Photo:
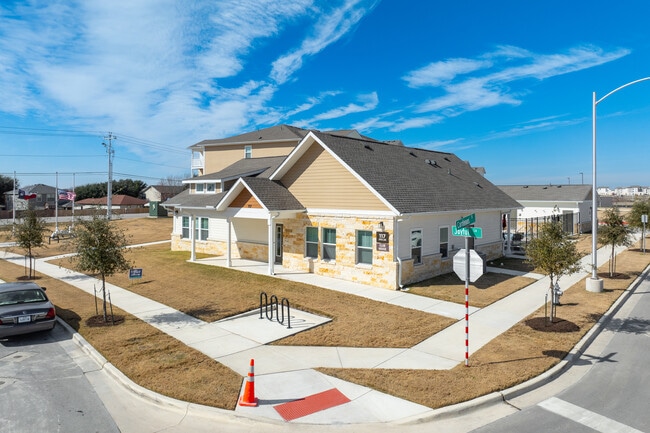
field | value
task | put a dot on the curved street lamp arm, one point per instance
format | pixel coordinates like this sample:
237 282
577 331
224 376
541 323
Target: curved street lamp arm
622 87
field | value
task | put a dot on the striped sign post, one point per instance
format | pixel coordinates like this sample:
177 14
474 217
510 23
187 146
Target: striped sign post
467 302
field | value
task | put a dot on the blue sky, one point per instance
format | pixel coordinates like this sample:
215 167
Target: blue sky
505 85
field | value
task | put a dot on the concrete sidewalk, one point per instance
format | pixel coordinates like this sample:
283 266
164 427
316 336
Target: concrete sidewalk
285 373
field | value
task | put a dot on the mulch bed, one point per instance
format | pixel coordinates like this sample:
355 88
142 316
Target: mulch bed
98 321
544 324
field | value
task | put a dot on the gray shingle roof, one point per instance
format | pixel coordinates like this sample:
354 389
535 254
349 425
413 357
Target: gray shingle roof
196 201
418 180
272 194
274 133
261 167
548 192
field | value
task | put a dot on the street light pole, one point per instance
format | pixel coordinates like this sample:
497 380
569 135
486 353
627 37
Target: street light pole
595 284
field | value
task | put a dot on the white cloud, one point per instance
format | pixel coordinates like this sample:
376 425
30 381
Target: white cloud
439 73
474 84
367 102
330 27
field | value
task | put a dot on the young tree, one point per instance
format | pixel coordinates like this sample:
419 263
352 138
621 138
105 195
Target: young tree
100 248
29 235
640 207
554 253
6 184
614 232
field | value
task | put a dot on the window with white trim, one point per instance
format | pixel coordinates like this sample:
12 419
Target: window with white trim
364 247
200 187
201 228
444 241
329 244
185 232
416 246
248 152
311 242
210 187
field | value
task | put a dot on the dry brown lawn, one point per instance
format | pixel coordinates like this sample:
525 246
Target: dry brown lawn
158 362
521 353
211 293
488 289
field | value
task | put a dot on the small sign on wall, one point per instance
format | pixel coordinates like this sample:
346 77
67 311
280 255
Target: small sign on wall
382 241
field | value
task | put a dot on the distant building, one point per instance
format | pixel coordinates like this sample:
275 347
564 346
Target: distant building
572 204
33 197
161 193
118 201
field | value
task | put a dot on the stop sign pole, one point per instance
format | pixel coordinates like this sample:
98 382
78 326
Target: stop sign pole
466 221
466 301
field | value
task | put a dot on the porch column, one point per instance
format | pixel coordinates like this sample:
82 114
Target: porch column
193 239
228 248
271 257
508 236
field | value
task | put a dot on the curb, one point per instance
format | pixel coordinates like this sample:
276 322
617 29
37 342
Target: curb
536 382
152 397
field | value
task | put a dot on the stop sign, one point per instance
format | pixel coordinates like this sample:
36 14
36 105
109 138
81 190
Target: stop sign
476 265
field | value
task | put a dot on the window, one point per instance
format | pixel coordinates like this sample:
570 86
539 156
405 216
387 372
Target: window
210 187
444 241
311 242
186 228
200 228
329 244
364 247
200 187
248 152
416 246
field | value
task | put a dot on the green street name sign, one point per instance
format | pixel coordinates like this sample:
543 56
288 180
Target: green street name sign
468 232
466 221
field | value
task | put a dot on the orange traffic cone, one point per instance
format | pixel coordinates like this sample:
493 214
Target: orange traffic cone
248 398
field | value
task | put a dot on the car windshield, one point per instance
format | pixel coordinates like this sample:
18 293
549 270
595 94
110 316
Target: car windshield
22 297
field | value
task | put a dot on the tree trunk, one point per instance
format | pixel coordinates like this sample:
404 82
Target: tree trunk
104 298
551 289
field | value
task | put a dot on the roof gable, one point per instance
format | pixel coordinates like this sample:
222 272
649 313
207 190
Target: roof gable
270 195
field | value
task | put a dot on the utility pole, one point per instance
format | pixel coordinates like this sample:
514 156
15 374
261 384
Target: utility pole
109 187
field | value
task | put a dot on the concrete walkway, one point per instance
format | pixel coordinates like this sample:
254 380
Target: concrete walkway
285 373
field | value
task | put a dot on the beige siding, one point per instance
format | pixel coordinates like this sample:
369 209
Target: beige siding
318 180
245 200
219 157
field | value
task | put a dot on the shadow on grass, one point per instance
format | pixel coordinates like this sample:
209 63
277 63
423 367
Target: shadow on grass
559 354
69 316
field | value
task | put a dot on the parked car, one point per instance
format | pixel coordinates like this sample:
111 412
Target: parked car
24 308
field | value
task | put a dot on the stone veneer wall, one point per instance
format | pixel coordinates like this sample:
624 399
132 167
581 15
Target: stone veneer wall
381 273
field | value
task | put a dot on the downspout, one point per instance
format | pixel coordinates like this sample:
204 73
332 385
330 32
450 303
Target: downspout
272 243
228 247
400 286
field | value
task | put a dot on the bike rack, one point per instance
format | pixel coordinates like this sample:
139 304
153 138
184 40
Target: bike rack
267 306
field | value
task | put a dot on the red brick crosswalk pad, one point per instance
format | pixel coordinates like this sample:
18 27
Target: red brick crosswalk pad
311 404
